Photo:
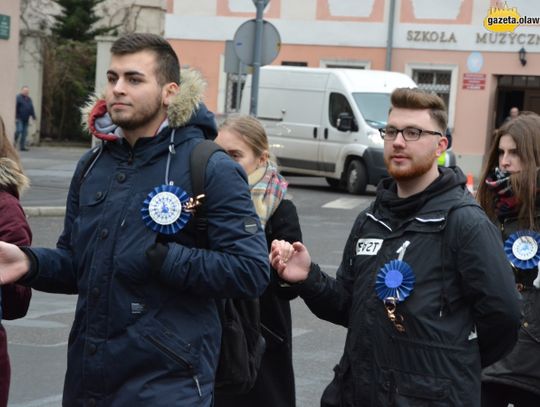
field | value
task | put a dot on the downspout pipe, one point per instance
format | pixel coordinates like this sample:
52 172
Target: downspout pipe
390 35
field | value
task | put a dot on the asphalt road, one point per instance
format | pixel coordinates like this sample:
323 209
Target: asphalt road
38 342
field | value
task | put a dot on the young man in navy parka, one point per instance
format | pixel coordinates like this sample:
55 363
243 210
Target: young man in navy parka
146 329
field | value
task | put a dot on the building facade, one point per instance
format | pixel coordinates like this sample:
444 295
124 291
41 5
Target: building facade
9 52
443 45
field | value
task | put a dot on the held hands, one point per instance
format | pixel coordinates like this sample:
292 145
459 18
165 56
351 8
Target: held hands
13 263
291 261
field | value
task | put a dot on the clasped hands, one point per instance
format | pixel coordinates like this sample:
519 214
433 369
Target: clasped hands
291 261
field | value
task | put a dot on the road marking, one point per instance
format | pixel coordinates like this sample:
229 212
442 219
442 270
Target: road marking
345 203
33 345
35 323
299 331
51 401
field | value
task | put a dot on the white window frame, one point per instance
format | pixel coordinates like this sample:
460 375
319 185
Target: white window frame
454 79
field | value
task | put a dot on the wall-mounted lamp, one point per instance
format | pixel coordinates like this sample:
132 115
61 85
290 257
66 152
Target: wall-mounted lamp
522 56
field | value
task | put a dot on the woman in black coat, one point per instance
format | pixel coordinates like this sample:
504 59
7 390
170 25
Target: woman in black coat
508 191
244 139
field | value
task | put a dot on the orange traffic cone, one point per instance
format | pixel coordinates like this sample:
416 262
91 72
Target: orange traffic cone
470 183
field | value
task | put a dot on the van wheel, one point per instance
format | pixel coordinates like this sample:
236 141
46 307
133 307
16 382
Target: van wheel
334 183
356 177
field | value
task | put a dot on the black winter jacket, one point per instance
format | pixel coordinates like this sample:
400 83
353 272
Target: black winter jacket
521 368
463 312
275 380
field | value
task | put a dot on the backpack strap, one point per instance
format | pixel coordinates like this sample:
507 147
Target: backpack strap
198 161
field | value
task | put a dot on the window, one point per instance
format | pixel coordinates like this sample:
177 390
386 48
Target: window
233 94
434 81
338 104
293 63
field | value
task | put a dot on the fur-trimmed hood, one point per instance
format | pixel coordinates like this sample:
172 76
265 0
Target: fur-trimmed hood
12 178
185 108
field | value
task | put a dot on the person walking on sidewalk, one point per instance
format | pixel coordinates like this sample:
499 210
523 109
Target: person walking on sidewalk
24 110
147 330
14 298
423 287
508 191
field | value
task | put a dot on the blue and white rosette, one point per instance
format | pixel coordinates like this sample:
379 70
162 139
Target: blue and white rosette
163 209
394 280
522 249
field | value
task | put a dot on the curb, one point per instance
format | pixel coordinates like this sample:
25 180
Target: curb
45 210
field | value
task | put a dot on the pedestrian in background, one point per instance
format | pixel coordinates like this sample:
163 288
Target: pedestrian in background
424 287
508 191
147 329
512 114
14 298
245 140
24 110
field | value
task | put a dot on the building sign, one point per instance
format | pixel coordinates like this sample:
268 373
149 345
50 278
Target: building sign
474 81
5 24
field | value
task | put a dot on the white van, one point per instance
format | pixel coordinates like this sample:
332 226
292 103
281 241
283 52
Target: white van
325 121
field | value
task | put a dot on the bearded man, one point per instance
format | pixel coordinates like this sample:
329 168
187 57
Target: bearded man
424 286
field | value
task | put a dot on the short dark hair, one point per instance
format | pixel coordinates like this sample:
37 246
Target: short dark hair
167 64
414 98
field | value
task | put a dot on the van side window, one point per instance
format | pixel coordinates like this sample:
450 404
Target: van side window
338 104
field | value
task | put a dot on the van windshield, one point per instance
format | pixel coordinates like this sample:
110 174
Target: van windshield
374 107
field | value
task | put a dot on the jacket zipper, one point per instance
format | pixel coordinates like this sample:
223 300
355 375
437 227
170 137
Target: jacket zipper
179 359
272 334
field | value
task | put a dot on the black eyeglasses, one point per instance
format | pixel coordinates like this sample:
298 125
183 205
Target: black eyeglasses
409 133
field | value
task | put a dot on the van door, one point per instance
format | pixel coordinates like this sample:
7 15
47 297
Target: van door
295 139
334 140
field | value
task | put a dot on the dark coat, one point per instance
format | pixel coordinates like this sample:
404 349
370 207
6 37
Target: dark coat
521 368
275 380
462 313
146 335
15 299
24 108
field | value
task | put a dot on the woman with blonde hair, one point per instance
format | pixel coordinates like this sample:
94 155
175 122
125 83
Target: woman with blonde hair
508 192
14 299
245 140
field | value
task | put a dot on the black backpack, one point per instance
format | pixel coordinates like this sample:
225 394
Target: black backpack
242 343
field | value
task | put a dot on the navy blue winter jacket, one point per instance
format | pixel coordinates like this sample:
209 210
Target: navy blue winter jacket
144 338
24 109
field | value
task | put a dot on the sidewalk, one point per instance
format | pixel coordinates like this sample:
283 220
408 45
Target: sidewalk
50 170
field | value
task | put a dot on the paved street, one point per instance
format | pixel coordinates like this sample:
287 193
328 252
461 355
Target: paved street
38 342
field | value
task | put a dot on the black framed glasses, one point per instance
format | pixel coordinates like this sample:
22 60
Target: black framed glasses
409 133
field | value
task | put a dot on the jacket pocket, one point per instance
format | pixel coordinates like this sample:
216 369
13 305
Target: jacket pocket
179 357
172 347
531 311
418 390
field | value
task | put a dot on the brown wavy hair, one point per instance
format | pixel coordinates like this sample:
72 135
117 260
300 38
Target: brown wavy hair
525 131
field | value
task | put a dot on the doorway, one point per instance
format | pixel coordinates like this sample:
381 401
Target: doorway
518 91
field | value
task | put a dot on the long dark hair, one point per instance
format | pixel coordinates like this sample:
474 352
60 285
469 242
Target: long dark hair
525 131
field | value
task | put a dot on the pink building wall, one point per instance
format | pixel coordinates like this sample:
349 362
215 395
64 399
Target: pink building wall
427 35
9 55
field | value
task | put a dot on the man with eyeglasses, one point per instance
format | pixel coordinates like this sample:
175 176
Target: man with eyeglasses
424 286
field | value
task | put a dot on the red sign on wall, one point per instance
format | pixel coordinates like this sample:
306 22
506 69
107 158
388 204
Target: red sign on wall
474 81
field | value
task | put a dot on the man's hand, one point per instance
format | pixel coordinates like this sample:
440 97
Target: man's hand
291 261
14 264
